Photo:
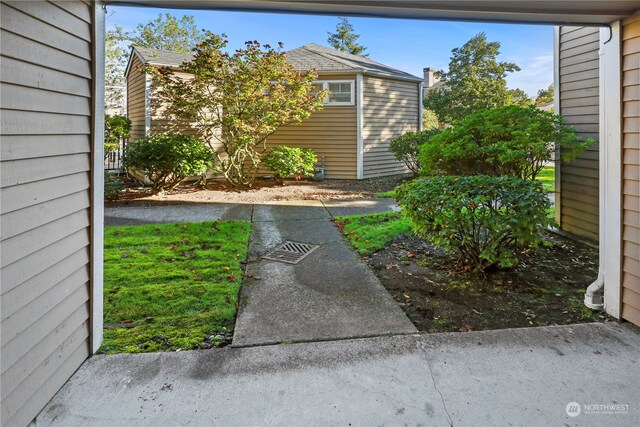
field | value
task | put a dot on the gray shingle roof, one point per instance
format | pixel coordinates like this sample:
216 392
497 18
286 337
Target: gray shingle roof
325 59
306 57
161 57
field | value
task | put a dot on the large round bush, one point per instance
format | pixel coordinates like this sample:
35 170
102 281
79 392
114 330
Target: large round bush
512 140
168 158
484 221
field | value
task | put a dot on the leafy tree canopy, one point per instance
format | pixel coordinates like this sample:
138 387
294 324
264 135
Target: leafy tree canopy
519 97
237 100
545 95
166 32
476 80
115 62
345 40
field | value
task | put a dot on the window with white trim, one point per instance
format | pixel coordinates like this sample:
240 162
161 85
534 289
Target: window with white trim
341 92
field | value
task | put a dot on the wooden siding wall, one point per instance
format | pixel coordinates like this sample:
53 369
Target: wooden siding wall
136 100
331 132
391 108
631 170
579 105
46 90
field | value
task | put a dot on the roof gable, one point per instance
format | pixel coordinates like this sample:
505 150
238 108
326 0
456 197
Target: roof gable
307 57
325 59
161 58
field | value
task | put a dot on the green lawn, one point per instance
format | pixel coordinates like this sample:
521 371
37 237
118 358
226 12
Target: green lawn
369 233
548 178
391 194
168 287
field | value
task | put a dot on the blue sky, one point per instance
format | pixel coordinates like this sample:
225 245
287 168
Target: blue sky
409 45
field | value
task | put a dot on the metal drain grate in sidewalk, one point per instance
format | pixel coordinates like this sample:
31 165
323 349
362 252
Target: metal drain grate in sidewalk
290 252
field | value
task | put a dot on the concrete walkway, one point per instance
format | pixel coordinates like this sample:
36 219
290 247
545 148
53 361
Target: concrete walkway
494 378
329 295
198 212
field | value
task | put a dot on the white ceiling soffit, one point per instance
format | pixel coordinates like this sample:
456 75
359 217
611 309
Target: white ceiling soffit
565 12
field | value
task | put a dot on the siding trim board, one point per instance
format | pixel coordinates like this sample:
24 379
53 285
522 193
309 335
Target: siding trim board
97 180
147 104
359 119
610 171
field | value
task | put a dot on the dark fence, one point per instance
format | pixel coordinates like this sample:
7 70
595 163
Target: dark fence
113 160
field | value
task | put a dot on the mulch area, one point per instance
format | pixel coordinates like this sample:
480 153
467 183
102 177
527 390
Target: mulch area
546 288
263 190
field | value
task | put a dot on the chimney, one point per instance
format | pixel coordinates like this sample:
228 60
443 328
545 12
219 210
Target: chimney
429 77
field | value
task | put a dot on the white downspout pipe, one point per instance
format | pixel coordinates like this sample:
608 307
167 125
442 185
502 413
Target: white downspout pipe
604 293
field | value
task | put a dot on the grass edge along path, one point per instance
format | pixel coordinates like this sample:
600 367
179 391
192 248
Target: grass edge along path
371 232
172 287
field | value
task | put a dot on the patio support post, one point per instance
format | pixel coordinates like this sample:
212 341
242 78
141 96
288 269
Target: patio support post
97 178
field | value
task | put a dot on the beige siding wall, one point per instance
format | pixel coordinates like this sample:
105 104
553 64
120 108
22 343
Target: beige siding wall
46 89
631 170
390 108
331 132
579 100
161 122
136 99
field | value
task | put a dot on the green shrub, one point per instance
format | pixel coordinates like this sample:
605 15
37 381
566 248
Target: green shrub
167 159
286 162
406 147
485 221
112 186
512 140
115 129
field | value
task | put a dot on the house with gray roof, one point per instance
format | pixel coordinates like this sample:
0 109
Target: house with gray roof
369 104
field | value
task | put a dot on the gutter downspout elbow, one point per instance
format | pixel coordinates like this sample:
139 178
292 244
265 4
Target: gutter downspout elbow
594 295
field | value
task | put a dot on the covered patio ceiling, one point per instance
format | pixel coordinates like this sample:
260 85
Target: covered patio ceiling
561 12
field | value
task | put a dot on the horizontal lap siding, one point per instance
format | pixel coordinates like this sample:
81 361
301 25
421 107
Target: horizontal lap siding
579 105
136 101
161 122
331 132
46 88
631 170
391 108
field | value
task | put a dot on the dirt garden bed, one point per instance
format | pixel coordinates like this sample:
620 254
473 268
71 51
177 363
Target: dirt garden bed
263 190
547 288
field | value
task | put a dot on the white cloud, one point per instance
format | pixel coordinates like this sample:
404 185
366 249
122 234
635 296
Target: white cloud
536 73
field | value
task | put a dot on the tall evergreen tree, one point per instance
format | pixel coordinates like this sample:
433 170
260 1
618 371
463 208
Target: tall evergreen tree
345 40
475 80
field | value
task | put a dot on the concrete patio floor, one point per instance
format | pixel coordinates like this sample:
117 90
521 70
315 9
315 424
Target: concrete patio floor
493 378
